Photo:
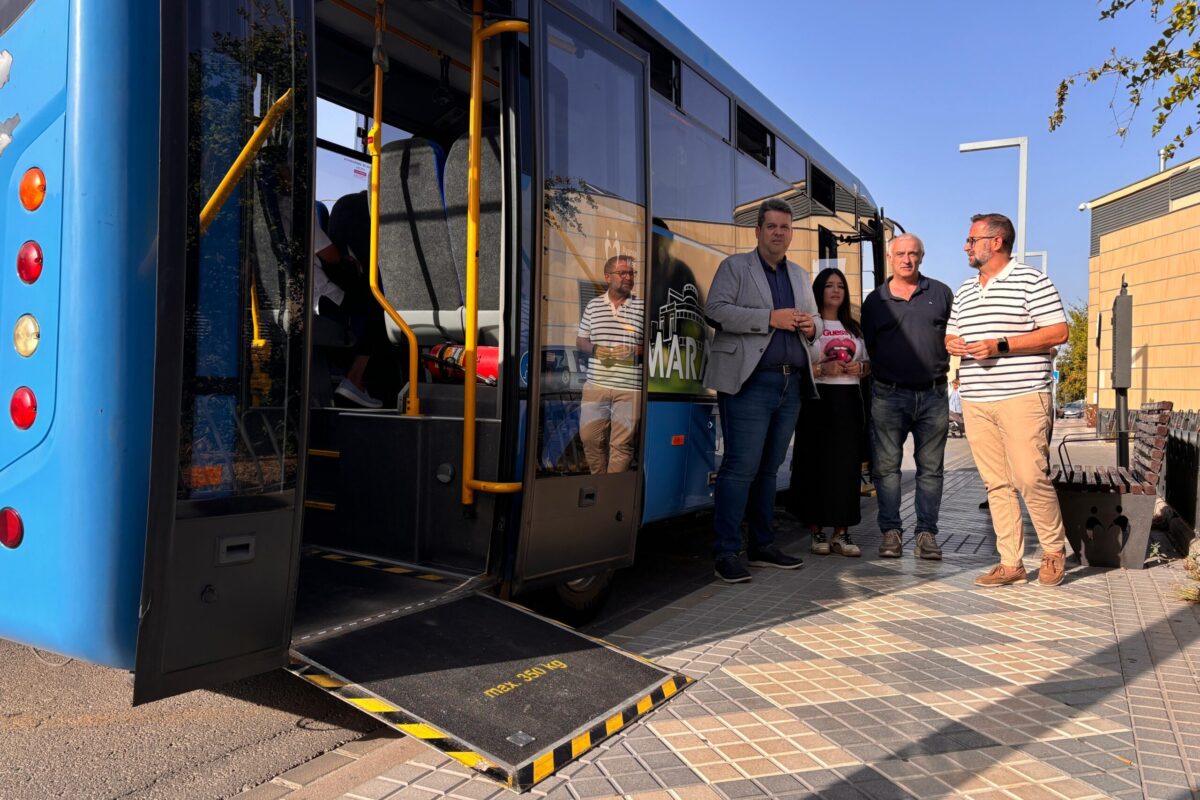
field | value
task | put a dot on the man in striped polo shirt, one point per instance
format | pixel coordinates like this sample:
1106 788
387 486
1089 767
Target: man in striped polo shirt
611 334
1003 325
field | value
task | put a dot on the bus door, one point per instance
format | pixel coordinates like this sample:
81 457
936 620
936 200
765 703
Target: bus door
229 414
587 369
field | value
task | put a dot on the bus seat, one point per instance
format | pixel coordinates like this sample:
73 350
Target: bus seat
491 221
350 226
416 264
322 213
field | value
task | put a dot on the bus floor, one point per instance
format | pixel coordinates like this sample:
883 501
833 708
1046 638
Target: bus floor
340 590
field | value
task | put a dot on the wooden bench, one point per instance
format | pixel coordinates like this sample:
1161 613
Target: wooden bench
1107 510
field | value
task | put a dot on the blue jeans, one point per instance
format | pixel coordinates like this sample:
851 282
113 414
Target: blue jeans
895 413
757 423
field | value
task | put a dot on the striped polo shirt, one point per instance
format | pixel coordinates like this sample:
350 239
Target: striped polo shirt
606 325
1018 300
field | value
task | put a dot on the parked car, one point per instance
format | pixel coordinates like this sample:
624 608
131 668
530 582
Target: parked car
1072 410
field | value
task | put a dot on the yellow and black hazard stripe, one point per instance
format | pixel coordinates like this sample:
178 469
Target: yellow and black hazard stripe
543 766
392 715
382 566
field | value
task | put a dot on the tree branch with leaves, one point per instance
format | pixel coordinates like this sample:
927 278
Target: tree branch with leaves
1175 57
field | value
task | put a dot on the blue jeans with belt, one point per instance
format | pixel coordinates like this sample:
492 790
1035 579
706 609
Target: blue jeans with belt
757 424
895 413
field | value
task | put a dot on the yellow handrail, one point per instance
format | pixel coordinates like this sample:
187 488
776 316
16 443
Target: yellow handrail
233 177
478 35
404 37
412 405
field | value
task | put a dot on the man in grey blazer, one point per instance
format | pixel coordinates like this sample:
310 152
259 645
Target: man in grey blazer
765 314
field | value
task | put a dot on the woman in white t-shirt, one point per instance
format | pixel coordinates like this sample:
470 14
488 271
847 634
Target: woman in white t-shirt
831 430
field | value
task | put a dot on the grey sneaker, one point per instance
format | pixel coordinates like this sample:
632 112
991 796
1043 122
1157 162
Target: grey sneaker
820 544
890 546
843 546
927 547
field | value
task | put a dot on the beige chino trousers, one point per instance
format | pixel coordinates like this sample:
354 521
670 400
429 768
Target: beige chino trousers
1010 442
608 420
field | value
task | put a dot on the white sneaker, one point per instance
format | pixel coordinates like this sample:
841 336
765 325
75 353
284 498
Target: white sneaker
348 391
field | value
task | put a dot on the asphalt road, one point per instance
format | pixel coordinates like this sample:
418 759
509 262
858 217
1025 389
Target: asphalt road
69 731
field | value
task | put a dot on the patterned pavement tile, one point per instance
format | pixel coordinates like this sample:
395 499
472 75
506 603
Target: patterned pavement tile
997 772
843 641
1036 598
942 632
1011 715
1026 664
750 745
891 727
880 609
958 604
899 584
923 671
818 680
1036 626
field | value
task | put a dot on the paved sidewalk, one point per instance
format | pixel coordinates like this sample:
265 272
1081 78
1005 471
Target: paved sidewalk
873 678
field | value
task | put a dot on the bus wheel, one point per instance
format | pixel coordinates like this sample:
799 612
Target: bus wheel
580 600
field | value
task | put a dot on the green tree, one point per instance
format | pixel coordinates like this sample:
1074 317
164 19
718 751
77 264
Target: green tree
1072 358
1174 59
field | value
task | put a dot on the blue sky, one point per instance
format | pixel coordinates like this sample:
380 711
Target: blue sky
891 89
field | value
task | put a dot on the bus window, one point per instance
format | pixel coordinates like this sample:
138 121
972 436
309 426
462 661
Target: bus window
704 102
245 301
594 249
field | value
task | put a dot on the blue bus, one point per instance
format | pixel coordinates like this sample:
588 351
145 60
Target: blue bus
183 493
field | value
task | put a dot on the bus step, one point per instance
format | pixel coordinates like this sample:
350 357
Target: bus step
320 505
501 690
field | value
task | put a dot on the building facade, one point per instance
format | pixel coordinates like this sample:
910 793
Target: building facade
1148 233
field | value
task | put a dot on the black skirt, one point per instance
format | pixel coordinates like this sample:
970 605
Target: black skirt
826 458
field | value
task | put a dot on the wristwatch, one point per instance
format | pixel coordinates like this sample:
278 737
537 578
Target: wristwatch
1002 346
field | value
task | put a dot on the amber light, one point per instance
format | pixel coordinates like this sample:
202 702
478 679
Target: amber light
29 262
23 408
12 530
33 189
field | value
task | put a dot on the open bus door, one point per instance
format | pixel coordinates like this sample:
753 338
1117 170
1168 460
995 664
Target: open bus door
586 374
229 413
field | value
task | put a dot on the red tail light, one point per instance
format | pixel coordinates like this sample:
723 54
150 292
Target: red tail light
12 530
29 262
23 408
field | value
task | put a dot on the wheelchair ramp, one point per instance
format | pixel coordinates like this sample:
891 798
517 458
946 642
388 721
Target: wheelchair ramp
500 689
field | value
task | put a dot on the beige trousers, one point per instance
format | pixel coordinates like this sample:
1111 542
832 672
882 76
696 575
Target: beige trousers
608 420
1010 442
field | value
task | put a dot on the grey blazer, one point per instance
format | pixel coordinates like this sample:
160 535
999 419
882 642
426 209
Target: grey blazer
740 302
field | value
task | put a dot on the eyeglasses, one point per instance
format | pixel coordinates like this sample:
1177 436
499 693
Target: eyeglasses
971 240
624 273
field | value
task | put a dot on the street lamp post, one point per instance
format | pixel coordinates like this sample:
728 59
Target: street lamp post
1022 144
1044 256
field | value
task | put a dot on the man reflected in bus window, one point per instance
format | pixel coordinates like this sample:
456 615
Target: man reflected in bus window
764 309
610 333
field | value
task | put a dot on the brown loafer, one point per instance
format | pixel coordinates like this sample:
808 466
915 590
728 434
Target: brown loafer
1001 575
1054 567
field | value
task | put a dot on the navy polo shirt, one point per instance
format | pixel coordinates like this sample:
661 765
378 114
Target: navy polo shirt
907 339
785 348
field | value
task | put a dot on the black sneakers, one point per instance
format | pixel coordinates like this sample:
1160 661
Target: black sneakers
729 569
772 556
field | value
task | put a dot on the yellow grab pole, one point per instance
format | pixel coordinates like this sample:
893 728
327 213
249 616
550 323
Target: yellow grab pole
412 406
231 179
475 132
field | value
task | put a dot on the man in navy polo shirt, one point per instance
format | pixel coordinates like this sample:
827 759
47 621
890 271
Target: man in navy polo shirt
904 324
